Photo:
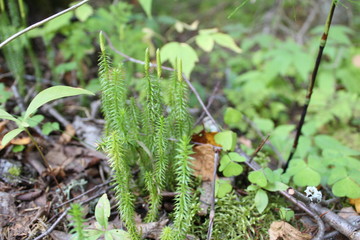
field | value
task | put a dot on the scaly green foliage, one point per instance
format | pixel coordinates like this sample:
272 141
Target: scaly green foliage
137 133
77 221
183 199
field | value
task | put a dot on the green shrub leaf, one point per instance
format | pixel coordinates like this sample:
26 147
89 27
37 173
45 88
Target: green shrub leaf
222 187
226 41
226 139
146 5
51 94
261 200
258 177
102 211
173 50
205 41
232 117
229 168
11 135
346 187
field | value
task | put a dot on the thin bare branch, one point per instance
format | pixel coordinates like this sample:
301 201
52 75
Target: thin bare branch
212 208
35 25
312 81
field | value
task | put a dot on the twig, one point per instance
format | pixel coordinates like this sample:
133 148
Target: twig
51 228
192 88
312 81
210 101
259 148
337 222
35 25
84 193
258 132
212 208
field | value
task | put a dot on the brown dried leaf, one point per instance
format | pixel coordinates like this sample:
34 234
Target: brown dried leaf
356 203
205 137
283 230
21 141
68 134
203 163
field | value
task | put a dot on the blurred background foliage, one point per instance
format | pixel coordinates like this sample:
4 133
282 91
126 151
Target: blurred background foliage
265 81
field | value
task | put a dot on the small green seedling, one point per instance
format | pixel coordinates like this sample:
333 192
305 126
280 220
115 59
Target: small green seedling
42 98
265 179
286 214
101 229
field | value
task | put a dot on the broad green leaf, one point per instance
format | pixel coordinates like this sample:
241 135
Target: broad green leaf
205 41
5 115
252 187
270 176
277 186
258 177
261 200
173 50
326 142
102 211
229 168
119 234
222 187
108 236
337 174
93 234
307 177
234 156
304 147
286 214
346 187
84 12
35 120
4 95
18 148
48 127
226 41
146 5
11 135
232 117
226 139
51 94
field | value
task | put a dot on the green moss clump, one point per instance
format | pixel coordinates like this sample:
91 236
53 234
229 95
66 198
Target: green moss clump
14 171
237 218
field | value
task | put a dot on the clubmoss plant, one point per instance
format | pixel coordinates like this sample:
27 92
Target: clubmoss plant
77 221
137 134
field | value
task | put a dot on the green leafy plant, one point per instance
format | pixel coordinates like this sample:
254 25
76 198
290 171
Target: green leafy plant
101 229
42 98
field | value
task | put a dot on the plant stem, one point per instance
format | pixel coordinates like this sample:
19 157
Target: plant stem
44 159
312 81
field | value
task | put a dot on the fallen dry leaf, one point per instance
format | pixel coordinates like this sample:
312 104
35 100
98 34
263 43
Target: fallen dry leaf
356 203
68 134
284 231
21 141
203 163
205 137
347 212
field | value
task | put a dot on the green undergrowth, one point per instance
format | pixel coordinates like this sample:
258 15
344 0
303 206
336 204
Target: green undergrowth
236 218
